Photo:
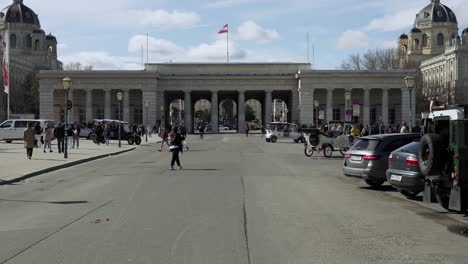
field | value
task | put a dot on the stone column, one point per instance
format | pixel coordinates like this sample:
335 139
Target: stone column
89 105
107 104
188 112
214 112
46 103
366 114
149 114
126 106
329 116
307 107
348 106
71 112
405 106
385 106
268 107
241 112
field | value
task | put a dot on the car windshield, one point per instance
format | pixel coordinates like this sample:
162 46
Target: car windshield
410 148
366 144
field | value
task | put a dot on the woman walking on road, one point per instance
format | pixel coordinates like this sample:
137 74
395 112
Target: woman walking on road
47 138
176 147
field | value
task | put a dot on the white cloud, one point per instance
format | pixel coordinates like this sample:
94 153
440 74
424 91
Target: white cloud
62 46
250 30
393 22
155 45
103 61
352 39
216 51
229 3
386 44
163 18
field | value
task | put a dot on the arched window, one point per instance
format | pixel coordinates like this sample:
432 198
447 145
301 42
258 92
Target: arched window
13 41
416 44
440 39
28 41
36 44
424 40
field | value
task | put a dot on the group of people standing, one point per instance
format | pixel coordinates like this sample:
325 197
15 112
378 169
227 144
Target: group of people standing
35 135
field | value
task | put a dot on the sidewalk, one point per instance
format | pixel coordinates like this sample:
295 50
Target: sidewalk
15 166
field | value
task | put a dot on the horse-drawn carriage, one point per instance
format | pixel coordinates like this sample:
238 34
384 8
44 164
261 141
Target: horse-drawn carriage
336 138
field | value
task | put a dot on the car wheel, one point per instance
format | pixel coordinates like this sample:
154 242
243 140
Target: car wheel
131 140
309 151
274 139
268 140
303 140
138 140
443 197
408 194
8 141
328 151
92 136
430 154
296 141
374 183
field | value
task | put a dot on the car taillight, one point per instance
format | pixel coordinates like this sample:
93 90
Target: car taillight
412 161
390 158
371 157
347 155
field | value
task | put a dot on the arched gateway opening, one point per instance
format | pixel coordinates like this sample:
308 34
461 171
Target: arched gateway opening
177 113
253 114
280 111
202 115
227 116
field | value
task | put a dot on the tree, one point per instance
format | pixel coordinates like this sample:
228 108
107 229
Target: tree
77 66
249 113
377 59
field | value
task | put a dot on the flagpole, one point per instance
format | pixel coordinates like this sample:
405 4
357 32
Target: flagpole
227 43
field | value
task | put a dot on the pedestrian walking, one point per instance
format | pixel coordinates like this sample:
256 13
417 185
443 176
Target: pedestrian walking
30 141
183 132
107 133
165 137
404 128
99 130
59 134
76 136
37 133
47 135
263 131
201 130
70 135
176 147
247 130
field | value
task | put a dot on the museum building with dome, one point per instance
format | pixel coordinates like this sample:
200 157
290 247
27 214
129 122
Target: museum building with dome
30 50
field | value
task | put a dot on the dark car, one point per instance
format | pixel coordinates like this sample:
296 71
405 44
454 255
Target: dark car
403 170
368 158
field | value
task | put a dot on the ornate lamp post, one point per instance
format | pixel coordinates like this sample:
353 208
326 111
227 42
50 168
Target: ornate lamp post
316 105
409 82
348 99
146 129
162 117
67 84
119 98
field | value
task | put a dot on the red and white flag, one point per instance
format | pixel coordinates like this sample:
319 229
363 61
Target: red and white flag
6 61
225 29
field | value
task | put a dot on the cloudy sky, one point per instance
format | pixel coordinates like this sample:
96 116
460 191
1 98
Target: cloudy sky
109 34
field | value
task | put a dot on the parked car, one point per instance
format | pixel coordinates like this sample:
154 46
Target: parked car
368 158
85 132
403 170
13 129
282 131
222 127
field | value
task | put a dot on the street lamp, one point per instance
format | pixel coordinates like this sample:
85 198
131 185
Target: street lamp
316 104
146 129
348 99
119 98
409 82
66 83
162 117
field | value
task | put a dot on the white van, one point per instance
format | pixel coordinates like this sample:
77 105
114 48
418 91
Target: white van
13 129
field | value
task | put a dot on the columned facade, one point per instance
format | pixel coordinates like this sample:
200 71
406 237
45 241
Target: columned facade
259 93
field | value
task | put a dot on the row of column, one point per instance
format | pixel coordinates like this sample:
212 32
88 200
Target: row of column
407 104
149 114
241 125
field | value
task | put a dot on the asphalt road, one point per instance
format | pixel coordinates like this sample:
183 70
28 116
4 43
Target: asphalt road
237 201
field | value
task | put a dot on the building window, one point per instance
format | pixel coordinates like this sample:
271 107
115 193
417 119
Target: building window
424 40
336 114
416 44
392 116
13 41
28 41
36 44
440 39
373 115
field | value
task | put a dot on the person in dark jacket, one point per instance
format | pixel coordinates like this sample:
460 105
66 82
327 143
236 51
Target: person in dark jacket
59 134
176 147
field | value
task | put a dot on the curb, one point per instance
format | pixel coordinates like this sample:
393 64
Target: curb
64 166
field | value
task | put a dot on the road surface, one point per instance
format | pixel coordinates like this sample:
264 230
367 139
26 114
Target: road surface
238 200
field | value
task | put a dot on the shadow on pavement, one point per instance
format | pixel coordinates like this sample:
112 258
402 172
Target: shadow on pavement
383 188
46 202
184 169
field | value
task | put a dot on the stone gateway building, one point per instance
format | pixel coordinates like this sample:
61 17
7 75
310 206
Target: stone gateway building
379 96
30 49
